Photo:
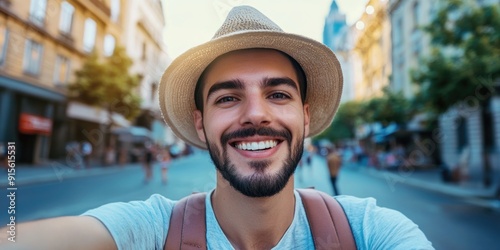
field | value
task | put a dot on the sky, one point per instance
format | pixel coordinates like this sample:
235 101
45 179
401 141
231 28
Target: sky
192 22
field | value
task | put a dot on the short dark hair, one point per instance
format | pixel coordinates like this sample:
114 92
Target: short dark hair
301 77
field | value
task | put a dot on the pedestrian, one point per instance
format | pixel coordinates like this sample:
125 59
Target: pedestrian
148 162
73 155
250 96
334 162
165 159
86 153
110 155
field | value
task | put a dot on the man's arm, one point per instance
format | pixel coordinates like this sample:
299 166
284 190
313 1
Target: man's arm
72 232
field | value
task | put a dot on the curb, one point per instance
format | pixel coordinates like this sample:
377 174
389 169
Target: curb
482 198
60 173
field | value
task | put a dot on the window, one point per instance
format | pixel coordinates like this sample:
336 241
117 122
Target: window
488 132
115 10
61 73
89 35
462 138
32 57
37 11
67 11
398 32
154 90
109 45
416 43
4 38
144 51
416 15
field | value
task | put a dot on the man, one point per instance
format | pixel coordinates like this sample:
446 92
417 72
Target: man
250 96
334 162
147 159
86 151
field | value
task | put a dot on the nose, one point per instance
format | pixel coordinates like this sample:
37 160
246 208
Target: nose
255 112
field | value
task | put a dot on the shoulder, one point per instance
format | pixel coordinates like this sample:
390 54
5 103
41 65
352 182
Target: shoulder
153 203
144 223
376 227
358 209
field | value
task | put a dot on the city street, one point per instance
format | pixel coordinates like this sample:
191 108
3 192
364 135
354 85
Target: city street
407 91
450 223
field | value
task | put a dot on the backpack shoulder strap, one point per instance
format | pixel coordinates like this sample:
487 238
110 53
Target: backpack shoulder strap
329 225
187 228
327 220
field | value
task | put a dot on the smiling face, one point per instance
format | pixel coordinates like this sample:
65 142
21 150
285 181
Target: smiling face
253 121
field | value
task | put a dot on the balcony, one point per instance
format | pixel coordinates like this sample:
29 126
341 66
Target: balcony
98 7
101 6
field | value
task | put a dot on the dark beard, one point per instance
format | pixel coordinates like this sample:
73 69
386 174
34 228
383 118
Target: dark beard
258 184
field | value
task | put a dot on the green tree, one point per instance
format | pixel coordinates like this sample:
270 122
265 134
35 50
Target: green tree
464 64
465 56
390 107
344 123
107 84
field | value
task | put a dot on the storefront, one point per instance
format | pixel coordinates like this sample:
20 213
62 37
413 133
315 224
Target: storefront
27 118
94 125
34 134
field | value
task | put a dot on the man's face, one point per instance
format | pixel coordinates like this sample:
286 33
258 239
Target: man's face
253 120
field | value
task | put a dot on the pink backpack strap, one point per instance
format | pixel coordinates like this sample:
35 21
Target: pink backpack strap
327 220
187 228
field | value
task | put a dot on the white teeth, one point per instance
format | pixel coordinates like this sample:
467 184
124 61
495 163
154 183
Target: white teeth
252 146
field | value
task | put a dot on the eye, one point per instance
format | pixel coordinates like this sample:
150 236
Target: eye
226 99
279 95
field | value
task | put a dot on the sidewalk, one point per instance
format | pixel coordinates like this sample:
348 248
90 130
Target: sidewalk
55 171
430 179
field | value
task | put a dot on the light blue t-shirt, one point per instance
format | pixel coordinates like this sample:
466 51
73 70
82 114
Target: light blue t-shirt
144 225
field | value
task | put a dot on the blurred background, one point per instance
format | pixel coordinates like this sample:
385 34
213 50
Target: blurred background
418 127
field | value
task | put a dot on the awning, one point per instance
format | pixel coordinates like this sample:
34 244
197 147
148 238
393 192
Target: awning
132 134
94 114
30 89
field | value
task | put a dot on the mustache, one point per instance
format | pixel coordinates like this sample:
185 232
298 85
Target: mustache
262 131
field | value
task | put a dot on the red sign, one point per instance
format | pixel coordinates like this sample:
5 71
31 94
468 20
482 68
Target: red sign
32 124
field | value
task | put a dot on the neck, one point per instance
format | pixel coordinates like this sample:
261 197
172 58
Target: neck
253 223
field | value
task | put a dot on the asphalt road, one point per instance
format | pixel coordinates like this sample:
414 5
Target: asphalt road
448 222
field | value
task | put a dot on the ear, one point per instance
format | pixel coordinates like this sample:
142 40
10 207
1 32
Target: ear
306 120
198 124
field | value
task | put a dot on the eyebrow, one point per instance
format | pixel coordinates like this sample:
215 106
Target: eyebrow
238 84
276 81
231 84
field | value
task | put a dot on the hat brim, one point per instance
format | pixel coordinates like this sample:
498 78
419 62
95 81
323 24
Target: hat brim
322 69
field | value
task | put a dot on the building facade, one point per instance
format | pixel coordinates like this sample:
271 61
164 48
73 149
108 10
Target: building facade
409 41
466 138
337 36
372 45
42 46
44 42
142 37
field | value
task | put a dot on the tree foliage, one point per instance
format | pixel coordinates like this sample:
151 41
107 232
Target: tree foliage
108 84
344 123
390 107
465 56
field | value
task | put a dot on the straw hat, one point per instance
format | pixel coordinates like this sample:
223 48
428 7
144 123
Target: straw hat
244 28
